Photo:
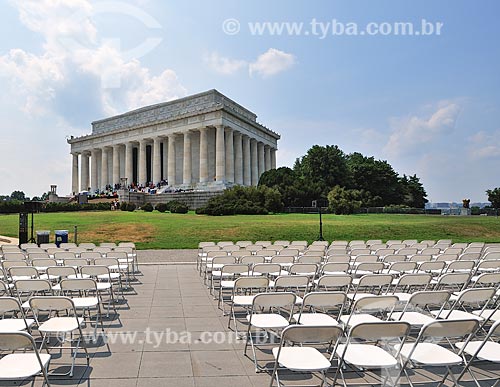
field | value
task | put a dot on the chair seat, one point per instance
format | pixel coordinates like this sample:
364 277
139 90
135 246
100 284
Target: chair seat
103 285
85 302
490 350
491 314
227 284
14 324
268 320
60 324
366 356
415 319
358 319
321 319
358 296
302 359
21 365
78 276
112 276
430 354
456 315
243 300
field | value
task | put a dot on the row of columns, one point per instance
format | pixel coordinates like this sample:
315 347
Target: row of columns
239 159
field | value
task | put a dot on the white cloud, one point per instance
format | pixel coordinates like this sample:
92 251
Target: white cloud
271 62
72 45
411 133
224 65
483 145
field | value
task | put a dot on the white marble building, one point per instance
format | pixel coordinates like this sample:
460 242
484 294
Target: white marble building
205 141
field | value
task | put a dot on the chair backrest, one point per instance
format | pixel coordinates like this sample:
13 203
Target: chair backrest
339 243
87 245
365 258
384 252
32 256
13 341
230 248
403 267
117 254
61 271
431 251
361 251
14 256
303 334
453 250
429 297
106 262
304 268
131 244
110 245
453 280
235 268
380 330
316 259
243 244
335 267
435 266
461 266
283 259
23 271
94 270
469 256
67 245
475 296
373 267
75 262
335 282
263 243
245 283
341 258
78 284
273 300
90 255
492 255
8 264
52 304
488 279
252 259
421 258
266 268
224 260
289 252
414 279
407 251
375 280
287 282
448 328
65 255
9 304
375 304
102 250
324 300
33 286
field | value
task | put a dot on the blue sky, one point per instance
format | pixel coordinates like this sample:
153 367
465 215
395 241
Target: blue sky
427 104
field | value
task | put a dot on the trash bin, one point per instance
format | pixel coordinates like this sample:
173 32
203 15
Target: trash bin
42 236
61 237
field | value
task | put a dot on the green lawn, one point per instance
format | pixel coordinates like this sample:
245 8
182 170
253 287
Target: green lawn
178 231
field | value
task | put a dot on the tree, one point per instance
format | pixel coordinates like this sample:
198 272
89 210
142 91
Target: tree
18 195
494 197
323 167
375 176
414 192
344 201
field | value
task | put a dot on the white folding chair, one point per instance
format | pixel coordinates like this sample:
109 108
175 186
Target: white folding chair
20 366
297 353
317 308
13 318
266 315
56 317
370 309
366 348
426 351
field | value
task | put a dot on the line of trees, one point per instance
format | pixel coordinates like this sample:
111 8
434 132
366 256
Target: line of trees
347 181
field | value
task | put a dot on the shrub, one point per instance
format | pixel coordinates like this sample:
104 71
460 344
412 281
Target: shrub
148 207
123 206
161 207
131 207
177 207
245 201
344 201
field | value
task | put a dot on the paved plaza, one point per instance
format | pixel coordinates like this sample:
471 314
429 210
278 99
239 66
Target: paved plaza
169 332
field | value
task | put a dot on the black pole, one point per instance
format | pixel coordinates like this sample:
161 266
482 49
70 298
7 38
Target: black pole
76 235
32 239
320 237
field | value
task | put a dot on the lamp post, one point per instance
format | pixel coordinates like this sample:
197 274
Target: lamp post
318 204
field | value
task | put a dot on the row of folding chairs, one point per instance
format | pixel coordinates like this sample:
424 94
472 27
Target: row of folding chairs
264 311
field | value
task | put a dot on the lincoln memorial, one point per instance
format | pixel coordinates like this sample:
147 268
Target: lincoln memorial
203 142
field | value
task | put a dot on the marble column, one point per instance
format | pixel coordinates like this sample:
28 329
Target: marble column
165 160
267 157
156 160
247 162
143 173
255 163
273 158
238 158
74 174
104 168
116 165
129 163
229 155
220 157
260 149
203 155
93 177
85 183
186 167
171 160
